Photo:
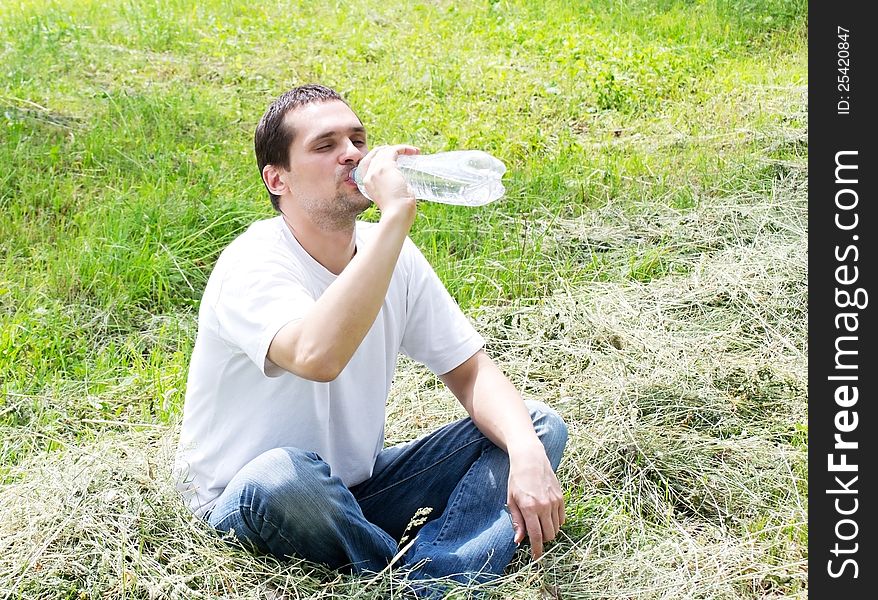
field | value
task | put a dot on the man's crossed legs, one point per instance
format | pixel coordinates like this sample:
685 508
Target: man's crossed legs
286 502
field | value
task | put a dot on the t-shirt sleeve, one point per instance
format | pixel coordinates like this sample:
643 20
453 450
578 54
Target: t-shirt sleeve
437 333
255 300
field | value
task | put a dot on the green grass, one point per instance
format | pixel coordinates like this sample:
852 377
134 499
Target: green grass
656 154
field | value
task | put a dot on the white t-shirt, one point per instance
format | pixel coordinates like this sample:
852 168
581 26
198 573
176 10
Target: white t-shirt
239 404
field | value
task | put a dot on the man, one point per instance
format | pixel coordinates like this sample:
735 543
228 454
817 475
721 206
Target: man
299 331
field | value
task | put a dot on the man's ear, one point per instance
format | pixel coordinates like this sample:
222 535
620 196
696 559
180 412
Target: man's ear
271 175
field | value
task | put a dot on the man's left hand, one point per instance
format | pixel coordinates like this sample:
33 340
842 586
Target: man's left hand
534 497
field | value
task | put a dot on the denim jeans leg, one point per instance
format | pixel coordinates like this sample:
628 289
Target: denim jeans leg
285 502
461 475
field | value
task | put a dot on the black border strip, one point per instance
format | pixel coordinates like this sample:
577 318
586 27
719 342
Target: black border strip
843 301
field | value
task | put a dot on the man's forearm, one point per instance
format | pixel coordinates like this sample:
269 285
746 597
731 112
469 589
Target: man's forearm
321 344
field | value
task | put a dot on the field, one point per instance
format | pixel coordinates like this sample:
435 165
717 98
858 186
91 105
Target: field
646 273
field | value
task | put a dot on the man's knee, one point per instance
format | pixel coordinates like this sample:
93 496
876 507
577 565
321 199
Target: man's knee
291 466
287 502
284 480
550 428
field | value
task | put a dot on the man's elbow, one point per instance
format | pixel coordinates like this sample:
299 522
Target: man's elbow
320 365
321 372
314 361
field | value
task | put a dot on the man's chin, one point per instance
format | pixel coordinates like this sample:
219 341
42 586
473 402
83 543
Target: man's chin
358 201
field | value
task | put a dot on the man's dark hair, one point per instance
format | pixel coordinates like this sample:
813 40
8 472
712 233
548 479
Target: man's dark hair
273 137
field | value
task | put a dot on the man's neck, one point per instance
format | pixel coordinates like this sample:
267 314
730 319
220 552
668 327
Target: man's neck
333 247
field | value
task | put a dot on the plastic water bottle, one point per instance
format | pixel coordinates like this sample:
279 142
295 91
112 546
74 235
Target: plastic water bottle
461 177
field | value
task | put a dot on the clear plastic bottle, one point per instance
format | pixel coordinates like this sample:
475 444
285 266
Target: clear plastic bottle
461 177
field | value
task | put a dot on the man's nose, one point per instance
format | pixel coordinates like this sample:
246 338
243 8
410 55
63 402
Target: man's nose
351 153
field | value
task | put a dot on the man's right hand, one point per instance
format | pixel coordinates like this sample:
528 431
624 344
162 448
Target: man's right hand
384 182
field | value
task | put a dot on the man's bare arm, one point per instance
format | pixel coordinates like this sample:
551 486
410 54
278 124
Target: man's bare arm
534 494
320 345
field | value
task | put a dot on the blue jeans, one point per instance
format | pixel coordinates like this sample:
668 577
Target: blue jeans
286 502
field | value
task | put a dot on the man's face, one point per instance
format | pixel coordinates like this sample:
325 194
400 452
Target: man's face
328 142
